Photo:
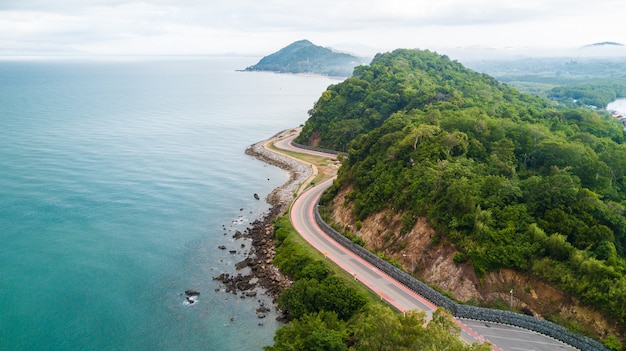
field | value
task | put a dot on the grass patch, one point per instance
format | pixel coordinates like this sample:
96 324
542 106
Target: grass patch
294 238
326 167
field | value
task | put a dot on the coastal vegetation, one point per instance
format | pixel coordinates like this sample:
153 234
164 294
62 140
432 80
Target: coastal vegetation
305 57
328 314
598 94
511 179
572 81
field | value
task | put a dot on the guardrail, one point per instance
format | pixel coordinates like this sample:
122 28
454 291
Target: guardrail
459 310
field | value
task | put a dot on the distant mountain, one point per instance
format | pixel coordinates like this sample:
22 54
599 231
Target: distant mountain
604 43
603 49
305 57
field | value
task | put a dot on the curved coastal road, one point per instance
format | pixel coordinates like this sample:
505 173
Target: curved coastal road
399 296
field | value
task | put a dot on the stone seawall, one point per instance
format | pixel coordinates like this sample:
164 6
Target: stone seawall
298 173
262 272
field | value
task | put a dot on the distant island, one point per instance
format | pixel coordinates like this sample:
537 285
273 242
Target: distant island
604 43
305 57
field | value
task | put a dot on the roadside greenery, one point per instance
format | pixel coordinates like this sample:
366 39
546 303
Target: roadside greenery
327 314
513 180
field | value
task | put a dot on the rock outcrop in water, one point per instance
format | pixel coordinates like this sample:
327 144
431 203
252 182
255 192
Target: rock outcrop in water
262 273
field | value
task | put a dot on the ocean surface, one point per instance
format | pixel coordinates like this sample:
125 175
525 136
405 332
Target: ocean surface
119 179
618 105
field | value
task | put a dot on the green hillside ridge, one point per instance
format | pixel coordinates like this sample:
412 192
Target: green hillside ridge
513 180
305 57
574 81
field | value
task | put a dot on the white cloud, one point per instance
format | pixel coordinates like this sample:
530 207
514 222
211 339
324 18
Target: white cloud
246 26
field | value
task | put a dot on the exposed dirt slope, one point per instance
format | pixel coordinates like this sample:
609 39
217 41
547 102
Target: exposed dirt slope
431 260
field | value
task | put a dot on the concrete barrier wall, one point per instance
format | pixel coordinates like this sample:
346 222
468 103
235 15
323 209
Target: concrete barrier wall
312 148
464 311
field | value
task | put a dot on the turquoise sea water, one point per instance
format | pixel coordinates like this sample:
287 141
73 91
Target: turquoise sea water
118 181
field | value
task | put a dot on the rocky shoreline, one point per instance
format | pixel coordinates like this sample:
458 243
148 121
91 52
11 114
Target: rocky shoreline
262 273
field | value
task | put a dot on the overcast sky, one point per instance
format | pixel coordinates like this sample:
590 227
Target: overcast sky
259 27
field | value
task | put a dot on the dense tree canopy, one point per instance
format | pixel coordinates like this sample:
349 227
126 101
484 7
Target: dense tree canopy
513 180
599 93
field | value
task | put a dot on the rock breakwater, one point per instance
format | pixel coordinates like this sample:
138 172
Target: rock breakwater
262 273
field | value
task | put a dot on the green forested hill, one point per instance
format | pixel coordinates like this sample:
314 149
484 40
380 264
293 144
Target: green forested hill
513 180
305 57
406 80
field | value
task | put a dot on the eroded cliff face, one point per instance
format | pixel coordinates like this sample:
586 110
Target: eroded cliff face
430 259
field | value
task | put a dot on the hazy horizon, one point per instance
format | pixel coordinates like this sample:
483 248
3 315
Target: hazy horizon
365 53
250 28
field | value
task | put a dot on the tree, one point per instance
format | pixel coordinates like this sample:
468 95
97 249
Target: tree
381 329
311 296
455 143
502 158
378 330
443 334
321 331
558 247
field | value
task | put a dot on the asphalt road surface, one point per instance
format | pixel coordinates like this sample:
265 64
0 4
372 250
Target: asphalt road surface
502 337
